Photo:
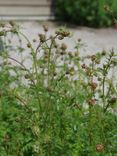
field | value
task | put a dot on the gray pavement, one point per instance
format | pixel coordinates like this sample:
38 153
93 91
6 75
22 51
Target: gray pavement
95 40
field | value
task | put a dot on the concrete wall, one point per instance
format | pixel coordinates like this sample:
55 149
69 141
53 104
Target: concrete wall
26 9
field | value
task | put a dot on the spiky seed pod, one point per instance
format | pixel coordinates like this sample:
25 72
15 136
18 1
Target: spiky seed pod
84 66
7 137
45 27
97 61
70 54
93 85
62 53
62 32
76 53
72 71
67 72
34 40
63 46
27 76
55 74
91 102
49 89
93 58
99 147
42 38
46 56
28 45
65 33
55 45
89 72
79 40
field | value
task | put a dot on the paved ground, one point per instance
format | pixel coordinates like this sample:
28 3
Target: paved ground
94 39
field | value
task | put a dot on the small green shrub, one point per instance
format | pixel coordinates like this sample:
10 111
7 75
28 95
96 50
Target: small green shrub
60 105
86 12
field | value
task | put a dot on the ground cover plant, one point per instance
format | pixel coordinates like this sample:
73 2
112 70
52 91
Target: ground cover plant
62 104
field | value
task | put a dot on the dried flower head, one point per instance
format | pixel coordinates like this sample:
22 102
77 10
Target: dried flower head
84 66
72 71
99 147
62 32
93 85
93 58
45 27
76 53
42 38
70 54
79 40
34 40
91 102
62 53
7 137
28 45
89 72
63 46
27 76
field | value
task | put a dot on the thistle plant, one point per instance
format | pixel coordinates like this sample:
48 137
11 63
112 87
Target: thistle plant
62 104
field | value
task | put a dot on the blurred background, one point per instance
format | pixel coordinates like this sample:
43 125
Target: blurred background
26 9
82 17
96 13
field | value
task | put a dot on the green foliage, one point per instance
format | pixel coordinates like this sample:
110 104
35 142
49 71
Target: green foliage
59 106
86 12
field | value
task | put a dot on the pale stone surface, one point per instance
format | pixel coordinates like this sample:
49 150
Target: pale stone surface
95 39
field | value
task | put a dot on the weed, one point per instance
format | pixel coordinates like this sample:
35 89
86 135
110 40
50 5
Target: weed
60 105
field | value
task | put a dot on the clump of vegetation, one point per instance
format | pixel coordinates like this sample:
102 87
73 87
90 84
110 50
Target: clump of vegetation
86 13
60 105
